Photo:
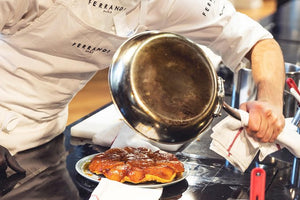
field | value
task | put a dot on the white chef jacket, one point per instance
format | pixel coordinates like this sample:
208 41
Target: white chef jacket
49 49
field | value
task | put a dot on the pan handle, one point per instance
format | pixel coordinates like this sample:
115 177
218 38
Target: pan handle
221 93
231 111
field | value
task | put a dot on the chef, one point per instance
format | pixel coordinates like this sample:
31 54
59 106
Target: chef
50 49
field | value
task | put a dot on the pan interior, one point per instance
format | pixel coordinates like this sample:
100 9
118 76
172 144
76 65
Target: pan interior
172 79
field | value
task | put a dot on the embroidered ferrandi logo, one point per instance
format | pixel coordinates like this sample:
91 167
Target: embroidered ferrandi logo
107 8
208 7
89 48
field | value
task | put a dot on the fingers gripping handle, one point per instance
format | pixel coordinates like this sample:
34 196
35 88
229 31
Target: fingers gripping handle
288 138
241 115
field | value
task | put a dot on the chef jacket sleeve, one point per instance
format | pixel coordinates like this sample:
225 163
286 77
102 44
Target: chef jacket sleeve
217 25
17 14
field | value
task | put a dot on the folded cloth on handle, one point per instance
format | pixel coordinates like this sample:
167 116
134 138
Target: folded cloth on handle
230 140
112 190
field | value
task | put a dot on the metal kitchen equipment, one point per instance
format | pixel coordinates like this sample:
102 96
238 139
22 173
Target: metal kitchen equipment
295 175
244 88
290 103
165 87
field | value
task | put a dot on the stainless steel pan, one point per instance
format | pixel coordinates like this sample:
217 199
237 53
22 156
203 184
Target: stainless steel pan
165 87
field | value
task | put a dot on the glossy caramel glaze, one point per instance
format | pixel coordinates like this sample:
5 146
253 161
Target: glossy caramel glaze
136 165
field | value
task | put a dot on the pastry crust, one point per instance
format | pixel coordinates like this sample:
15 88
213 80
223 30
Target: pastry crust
137 165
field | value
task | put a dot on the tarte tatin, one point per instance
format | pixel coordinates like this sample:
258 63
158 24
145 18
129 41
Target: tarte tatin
137 165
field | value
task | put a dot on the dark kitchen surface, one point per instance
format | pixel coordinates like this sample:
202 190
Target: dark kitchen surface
51 170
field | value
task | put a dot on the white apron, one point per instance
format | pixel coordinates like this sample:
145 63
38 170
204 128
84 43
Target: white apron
43 65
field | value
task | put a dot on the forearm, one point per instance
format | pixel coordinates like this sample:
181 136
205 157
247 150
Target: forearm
268 71
266 120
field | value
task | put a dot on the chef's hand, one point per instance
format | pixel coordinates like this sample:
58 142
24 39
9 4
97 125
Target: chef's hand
265 121
7 160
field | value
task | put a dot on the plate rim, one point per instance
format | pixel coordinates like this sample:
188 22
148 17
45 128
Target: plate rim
81 162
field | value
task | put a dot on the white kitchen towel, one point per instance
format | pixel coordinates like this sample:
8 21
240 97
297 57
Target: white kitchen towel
128 137
106 122
107 127
113 190
230 140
